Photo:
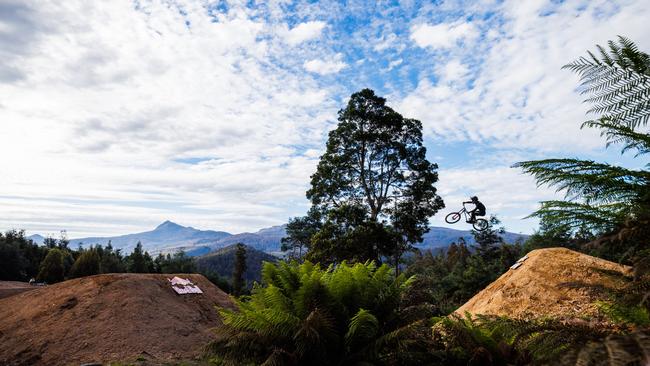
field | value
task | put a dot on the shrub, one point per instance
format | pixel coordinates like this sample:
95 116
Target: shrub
53 268
305 315
86 265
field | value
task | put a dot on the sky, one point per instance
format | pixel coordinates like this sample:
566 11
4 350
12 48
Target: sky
118 115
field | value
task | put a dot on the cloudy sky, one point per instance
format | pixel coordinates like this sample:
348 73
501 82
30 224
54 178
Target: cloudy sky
117 115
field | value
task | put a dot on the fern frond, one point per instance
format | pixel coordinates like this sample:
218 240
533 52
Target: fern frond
588 180
577 215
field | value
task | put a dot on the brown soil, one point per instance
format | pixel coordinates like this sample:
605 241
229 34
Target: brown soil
9 288
113 317
554 282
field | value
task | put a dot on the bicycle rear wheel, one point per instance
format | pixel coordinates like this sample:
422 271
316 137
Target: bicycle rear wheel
452 218
480 224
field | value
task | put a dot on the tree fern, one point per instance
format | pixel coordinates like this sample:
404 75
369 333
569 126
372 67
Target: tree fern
599 196
362 328
593 182
533 341
613 350
343 315
617 83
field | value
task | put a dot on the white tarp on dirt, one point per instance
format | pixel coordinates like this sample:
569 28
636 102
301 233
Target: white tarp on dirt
519 262
184 286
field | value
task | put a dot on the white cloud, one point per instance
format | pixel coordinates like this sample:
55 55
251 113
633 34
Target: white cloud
506 192
116 117
386 42
324 67
443 35
393 64
519 97
304 32
111 97
453 70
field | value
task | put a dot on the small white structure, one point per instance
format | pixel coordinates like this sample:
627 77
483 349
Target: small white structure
522 259
184 286
519 262
516 265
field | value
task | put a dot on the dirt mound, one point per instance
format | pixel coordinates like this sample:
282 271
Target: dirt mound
113 317
555 282
9 288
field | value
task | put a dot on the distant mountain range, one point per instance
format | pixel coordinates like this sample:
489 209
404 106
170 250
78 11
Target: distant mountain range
170 237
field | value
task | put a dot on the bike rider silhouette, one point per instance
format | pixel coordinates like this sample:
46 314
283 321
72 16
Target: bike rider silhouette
479 209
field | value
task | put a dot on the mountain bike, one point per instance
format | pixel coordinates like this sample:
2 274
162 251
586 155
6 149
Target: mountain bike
478 224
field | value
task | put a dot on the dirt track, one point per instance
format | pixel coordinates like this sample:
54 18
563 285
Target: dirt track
10 288
114 317
555 282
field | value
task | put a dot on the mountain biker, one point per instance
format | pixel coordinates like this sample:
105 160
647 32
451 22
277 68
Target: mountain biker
479 209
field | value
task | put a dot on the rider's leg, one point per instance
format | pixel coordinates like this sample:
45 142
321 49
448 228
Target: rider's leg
472 217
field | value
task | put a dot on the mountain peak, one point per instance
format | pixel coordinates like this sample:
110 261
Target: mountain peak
167 225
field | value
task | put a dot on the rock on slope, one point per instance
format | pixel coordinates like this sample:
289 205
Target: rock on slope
108 318
555 282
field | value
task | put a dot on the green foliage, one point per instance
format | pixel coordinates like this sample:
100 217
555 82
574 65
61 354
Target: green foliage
139 261
615 349
221 263
305 315
618 86
20 258
300 230
239 270
610 201
373 186
180 262
625 314
448 279
52 268
218 280
87 264
550 236
490 340
112 260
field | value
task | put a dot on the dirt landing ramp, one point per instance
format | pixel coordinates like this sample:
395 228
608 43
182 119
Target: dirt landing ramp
113 317
554 282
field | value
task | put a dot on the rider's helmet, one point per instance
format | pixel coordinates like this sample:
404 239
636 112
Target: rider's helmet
474 198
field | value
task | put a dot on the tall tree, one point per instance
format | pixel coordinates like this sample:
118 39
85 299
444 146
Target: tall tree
239 270
488 241
63 240
137 261
52 269
300 230
87 264
374 185
604 198
111 260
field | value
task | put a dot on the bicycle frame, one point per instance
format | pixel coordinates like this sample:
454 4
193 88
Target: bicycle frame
477 223
464 212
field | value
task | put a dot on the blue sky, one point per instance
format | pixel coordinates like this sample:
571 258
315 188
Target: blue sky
116 116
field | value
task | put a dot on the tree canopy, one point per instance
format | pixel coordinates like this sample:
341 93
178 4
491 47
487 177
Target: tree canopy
373 187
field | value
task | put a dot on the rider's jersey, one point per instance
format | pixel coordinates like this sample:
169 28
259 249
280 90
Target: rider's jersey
480 208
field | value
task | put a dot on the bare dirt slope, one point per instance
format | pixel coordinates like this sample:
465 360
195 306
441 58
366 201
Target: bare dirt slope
555 282
9 288
113 317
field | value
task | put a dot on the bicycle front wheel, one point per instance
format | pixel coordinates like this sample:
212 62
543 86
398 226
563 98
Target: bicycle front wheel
480 224
452 218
